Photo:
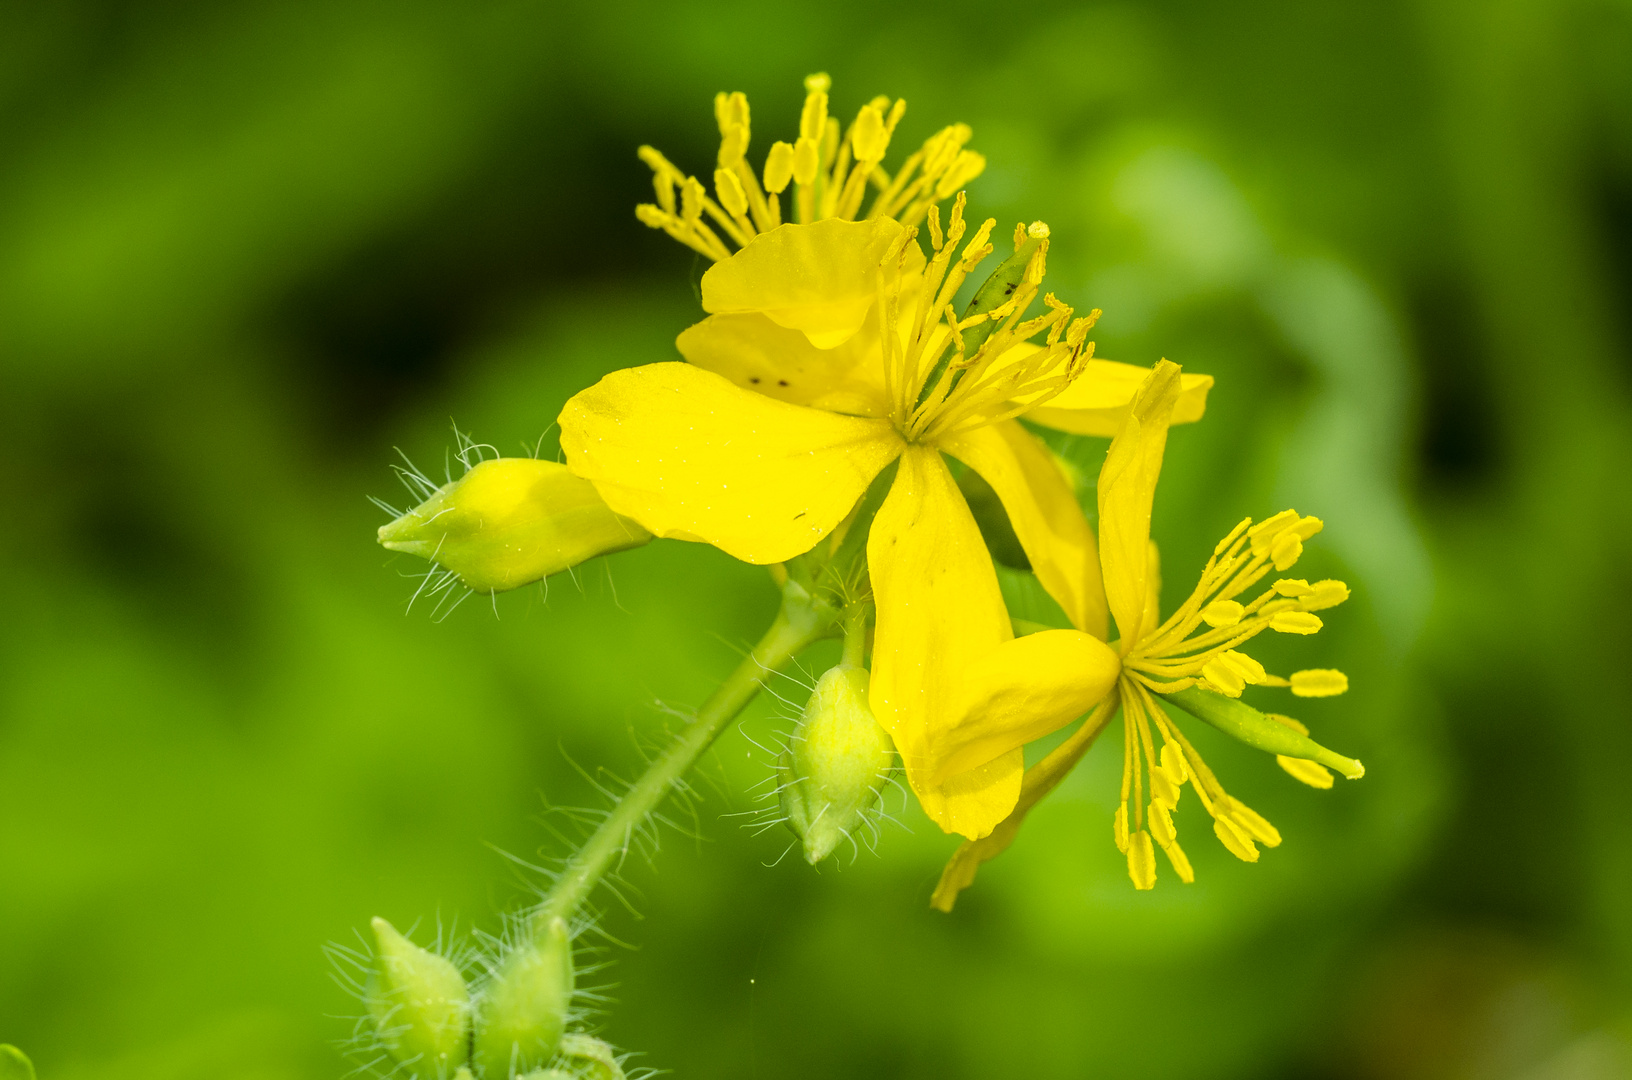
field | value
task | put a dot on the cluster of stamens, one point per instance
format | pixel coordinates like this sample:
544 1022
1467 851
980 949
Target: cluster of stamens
1196 646
941 382
830 174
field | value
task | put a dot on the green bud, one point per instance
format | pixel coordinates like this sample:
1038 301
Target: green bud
419 1003
836 763
510 522
14 1064
524 1009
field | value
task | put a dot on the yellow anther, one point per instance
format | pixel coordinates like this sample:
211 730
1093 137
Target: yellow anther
1309 772
1293 587
1119 827
1142 860
1307 527
813 119
1181 862
778 167
868 139
652 216
936 237
731 195
964 168
806 158
733 146
1286 549
1163 790
1295 622
1250 820
1273 525
691 200
1319 682
1222 613
1173 763
1250 669
731 111
1235 838
1019 235
1224 677
818 83
1161 824
1325 594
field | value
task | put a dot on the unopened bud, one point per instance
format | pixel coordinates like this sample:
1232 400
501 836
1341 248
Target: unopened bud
524 1010
419 1004
14 1064
511 522
836 762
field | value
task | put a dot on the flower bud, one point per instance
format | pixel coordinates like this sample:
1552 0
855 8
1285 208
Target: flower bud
419 1004
14 1064
524 1009
836 762
510 522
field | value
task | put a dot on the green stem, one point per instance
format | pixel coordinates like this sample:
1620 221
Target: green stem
797 625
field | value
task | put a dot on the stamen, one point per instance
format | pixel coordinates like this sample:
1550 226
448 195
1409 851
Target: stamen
1294 622
1222 613
1325 594
1319 682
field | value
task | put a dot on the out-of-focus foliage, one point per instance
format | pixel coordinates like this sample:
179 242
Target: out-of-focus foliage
247 250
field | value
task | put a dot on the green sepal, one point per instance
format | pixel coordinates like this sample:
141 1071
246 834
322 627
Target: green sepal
14 1064
1241 721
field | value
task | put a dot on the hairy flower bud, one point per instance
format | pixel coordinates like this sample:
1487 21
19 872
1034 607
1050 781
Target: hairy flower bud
836 762
419 1004
511 522
524 1009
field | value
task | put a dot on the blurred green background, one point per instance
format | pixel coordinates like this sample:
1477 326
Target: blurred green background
247 250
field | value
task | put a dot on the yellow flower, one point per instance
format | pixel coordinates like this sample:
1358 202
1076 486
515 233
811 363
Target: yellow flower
833 351
1192 659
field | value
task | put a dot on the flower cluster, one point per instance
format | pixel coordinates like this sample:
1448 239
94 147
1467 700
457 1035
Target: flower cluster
826 419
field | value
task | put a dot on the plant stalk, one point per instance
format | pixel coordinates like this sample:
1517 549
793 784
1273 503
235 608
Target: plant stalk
799 623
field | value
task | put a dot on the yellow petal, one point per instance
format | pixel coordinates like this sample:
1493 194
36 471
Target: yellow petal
820 279
939 611
1020 691
1046 517
690 456
758 355
1127 485
1097 402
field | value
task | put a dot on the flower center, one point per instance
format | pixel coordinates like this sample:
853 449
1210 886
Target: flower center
944 375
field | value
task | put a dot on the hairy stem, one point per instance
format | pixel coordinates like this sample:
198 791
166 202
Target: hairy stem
800 622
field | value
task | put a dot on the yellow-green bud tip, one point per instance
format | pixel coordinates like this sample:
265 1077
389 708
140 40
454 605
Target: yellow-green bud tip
837 761
419 1004
511 522
14 1064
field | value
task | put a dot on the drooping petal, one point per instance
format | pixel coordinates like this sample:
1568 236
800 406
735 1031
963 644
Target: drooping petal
820 279
1127 486
939 611
758 355
1045 514
1020 691
1097 401
690 456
